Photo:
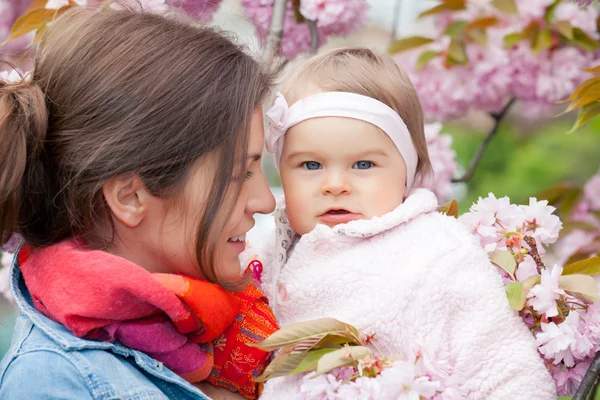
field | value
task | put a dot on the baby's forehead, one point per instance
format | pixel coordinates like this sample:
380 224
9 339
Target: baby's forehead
336 134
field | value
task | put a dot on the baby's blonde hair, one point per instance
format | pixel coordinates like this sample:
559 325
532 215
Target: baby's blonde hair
361 71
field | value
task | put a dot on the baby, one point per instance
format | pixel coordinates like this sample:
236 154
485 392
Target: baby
355 242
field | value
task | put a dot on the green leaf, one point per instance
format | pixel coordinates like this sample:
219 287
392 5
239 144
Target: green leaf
507 6
581 286
586 113
588 92
514 292
577 257
31 21
450 208
478 36
554 193
505 260
447 5
569 201
408 43
319 328
517 291
591 267
582 89
457 53
583 41
512 39
425 57
455 28
484 22
342 357
594 70
549 14
291 364
565 28
542 41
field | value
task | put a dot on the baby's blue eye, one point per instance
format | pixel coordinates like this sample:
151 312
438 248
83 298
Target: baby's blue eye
363 165
312 165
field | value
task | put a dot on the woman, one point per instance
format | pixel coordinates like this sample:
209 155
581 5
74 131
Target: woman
136 143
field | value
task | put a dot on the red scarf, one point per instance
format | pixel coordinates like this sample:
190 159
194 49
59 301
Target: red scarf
196 328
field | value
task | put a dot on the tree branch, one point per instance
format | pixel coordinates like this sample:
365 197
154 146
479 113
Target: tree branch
395 20
589 379
276 28
314 36
475 162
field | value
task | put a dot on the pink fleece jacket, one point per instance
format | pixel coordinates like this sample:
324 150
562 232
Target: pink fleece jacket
415 277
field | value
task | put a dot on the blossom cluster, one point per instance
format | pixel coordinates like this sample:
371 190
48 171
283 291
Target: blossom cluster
523 56
331 17
557 303
416 377
584 240
443 162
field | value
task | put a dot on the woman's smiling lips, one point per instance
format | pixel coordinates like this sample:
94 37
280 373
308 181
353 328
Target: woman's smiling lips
338 216
238 242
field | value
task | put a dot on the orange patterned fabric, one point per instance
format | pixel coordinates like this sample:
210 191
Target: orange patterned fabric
248 319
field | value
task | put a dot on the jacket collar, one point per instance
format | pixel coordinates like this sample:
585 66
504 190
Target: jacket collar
57 332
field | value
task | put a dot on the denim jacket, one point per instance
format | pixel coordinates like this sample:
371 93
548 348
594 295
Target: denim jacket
45 361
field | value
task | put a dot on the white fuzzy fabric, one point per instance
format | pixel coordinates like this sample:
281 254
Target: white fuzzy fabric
415 277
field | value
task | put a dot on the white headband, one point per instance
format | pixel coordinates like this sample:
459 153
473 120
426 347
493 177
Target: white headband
340 104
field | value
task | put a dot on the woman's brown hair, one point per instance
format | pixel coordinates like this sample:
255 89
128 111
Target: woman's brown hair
117 92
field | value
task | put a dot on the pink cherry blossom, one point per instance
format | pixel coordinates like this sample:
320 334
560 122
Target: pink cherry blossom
362 388
202 10
582 3
336 17
582 18
494 74
56 4
564 342
592 192
568 379
333 18
527 268
11 245
403 381
443 162
533 9
572 243
540 221
489 216
591 328
5 263
542 297
319 387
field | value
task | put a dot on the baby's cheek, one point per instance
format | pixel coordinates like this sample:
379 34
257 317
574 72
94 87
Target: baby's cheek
301 220
384 202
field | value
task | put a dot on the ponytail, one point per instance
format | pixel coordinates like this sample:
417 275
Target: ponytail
23 126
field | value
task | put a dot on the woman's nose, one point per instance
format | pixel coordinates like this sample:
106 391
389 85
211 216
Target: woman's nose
261 199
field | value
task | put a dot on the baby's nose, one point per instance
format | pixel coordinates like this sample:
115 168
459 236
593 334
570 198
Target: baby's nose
336 183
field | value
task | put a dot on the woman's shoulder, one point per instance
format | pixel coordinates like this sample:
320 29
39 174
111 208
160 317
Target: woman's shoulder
40 366
42 373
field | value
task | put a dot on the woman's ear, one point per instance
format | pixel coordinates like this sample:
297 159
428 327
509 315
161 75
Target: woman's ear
127 198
